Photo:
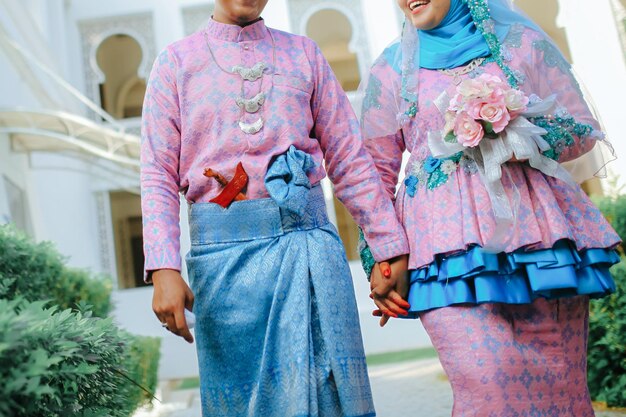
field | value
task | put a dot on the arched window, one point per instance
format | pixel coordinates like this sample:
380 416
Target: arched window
130 98
332 31
127 232
121 94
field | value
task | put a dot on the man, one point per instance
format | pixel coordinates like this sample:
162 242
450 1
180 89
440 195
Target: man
239 117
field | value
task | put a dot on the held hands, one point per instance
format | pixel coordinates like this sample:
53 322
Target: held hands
171 296
390 286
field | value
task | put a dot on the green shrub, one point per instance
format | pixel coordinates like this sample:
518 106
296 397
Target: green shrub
614 209
607 344
37 272
67 363
30 269
55 362
141 363
607 322
76 286
59 356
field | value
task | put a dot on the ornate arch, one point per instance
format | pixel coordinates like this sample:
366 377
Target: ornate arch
94 32
302 10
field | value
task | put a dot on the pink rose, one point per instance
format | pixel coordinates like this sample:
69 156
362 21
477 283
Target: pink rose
515 101
495 113
457 103
473 107
474 88
467 130
492 81
491 109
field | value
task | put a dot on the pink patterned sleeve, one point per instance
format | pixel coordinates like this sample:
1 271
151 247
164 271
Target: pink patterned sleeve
350 167
551 74
387 154
379 107
160 150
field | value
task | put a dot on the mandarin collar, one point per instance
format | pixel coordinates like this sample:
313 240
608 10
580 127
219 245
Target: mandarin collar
235 33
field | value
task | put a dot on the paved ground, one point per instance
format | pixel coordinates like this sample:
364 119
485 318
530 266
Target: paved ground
419 386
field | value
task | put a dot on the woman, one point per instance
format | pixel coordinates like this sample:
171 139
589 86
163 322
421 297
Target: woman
505 248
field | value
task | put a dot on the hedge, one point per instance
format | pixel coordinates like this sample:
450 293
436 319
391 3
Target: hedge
607 323
59 354
37 272
607 344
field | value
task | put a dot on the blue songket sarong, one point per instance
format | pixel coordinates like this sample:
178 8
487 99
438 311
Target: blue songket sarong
277 328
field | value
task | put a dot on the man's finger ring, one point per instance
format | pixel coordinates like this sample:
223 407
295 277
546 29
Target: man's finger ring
164 325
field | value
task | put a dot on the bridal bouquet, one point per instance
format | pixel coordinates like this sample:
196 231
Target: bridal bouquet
490 123
482 108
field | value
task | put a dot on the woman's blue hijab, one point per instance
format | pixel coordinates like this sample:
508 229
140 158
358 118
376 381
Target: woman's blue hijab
455 41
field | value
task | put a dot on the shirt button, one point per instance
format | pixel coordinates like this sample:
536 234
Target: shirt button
246 47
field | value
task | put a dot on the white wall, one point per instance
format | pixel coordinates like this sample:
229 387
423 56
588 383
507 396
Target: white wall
15 168
66 208
599 61
382 24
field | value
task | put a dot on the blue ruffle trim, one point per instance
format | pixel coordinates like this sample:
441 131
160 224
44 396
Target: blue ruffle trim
520 277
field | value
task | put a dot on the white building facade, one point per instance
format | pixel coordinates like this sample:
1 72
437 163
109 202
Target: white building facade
72 78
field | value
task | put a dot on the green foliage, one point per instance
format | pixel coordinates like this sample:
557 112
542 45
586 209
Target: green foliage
37 272
607 344
607 322
614 209
76 286
56 362
141 364
59 356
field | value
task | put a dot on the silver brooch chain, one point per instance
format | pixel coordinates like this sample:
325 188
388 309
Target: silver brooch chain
249 105
457 72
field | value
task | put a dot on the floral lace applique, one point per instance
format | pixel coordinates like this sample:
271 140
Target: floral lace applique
372 94
551 56
367 259
433 172
554 59
514 38
479 9
562 128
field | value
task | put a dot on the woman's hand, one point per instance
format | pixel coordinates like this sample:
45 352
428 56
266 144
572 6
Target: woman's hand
171 296
389 284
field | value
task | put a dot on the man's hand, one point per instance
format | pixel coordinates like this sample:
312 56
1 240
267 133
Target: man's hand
389 284
171 296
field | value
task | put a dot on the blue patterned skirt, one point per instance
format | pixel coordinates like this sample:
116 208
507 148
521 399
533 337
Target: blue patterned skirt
277 328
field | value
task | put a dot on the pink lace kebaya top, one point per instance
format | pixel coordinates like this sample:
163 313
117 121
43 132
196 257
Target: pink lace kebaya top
444 204
191 122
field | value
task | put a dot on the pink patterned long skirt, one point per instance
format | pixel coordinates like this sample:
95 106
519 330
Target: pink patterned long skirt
507 360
